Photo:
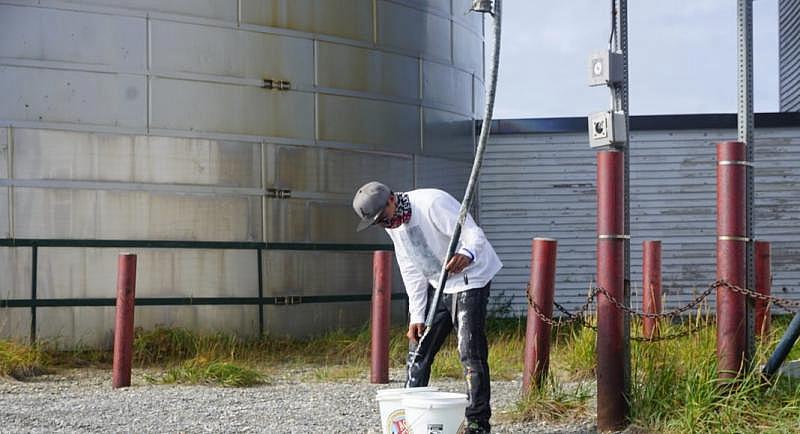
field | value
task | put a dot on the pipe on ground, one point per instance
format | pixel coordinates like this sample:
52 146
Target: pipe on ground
731 249
651 286
381 304
540 292
612 407
784 346
123 329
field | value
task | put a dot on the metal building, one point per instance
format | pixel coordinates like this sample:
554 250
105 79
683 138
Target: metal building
539 180
789 54
222 141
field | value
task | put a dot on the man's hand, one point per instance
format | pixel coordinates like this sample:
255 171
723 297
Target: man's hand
458 263
415 331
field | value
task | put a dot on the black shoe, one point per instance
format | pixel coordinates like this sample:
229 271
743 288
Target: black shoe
477 428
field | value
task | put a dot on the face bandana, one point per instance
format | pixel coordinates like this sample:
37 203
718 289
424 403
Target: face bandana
402 211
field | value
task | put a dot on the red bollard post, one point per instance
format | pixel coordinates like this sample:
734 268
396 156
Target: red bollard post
763 269
381 302
651 286
123 329
731 245
612 406
540 292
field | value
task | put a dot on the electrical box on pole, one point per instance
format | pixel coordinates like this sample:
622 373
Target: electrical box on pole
607 129
605 68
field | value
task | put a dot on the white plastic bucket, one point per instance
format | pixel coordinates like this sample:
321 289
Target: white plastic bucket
435 412
393 415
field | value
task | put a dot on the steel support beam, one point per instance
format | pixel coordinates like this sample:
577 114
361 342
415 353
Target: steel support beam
746 130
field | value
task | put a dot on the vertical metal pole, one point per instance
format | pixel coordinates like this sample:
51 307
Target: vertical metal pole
123 328
763 271
260 268
34 278
651 286
612 405
731 246
621 103
746 131
381 303
537 333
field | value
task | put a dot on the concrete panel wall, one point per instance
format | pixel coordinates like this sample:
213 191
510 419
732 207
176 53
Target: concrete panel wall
73 37
207 107
50 155
100 214
79 272
15 273
77 97
193 48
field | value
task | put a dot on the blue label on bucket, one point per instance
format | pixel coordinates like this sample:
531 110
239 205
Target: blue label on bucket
397 422
435 428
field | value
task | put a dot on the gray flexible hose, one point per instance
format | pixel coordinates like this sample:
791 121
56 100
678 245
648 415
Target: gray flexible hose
476 168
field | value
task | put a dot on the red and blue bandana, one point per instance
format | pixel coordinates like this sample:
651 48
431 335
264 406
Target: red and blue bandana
402 211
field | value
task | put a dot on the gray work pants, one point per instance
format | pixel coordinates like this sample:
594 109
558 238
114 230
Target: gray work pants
466 312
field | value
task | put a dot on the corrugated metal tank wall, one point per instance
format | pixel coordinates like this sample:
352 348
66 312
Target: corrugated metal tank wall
543 185
789 54
148 121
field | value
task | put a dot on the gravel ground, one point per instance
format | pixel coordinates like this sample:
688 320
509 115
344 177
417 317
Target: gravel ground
83 401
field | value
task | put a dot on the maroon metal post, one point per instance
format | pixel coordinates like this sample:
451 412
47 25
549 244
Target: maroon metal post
612 407
381 302
731 267
651 286
123 329
763 269
540 292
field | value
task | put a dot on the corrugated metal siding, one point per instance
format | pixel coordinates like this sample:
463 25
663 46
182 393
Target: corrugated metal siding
543 185
789 48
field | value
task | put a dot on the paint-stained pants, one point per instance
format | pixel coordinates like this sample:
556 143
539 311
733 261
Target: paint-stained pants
466 312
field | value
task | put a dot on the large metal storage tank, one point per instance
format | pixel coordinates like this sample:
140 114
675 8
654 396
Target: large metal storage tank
148 126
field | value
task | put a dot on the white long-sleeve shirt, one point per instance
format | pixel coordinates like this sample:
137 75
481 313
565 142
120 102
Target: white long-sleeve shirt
421 244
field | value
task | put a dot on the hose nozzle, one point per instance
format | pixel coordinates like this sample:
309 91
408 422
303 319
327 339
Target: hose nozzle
482 6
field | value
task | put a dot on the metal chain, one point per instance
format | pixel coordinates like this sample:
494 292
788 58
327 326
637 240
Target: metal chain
572 317
582 321
694 303
579 317
758 296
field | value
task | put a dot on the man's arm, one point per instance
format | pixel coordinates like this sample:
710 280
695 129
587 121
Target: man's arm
416 287
444 215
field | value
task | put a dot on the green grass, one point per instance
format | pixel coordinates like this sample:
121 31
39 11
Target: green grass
554 401
202 371
675 388
21 361
573 352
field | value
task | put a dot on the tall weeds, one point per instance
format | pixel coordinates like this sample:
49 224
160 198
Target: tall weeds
21 361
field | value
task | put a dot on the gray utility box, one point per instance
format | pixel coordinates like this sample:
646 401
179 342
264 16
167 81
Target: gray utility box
605 69
607 129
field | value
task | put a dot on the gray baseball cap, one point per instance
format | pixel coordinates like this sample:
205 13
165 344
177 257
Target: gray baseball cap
369 202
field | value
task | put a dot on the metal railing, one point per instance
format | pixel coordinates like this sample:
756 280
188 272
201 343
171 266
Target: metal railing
33 302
